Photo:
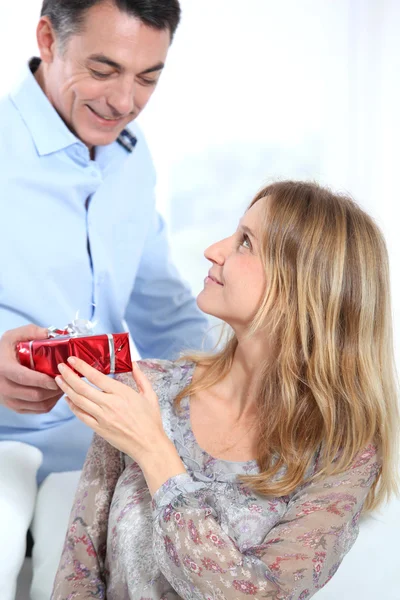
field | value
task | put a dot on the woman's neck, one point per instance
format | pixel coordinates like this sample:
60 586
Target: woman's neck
238 390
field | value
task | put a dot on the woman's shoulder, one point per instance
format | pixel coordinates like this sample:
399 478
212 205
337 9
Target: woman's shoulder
165 370
164 375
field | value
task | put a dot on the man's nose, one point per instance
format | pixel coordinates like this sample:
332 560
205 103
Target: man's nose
122 98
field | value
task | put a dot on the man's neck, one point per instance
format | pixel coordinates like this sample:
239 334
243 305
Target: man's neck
34 64
37 70
38 75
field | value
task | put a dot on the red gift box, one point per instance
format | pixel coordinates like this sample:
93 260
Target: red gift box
108 353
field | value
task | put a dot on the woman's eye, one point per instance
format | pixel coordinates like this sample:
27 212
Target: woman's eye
245 242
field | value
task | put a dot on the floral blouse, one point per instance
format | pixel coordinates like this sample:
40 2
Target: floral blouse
204 535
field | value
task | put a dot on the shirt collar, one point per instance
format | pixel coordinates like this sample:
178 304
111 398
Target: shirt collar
48 130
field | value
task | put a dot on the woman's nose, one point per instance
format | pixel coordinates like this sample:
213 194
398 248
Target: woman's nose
216 253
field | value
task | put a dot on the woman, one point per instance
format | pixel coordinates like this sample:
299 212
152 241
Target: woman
243 474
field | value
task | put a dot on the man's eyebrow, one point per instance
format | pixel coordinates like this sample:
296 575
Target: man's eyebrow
158 67
101 58
248 231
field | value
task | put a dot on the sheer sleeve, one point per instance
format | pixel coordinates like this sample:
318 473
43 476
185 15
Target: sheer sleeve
81 573
296 558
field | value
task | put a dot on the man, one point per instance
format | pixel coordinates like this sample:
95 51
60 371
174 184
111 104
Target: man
79 230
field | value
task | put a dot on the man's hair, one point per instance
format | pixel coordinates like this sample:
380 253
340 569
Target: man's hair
67 16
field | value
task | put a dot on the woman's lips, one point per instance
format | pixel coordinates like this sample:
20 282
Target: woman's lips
211 279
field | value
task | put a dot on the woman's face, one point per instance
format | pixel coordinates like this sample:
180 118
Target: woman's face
236 281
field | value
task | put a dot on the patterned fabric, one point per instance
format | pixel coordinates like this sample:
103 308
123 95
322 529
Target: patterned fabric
204 535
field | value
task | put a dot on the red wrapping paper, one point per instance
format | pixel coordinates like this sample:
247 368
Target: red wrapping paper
45 355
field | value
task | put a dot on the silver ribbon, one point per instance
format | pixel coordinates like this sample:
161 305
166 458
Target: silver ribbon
31 355
77 328
111 346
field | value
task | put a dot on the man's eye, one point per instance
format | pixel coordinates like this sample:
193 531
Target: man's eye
148 82
99 75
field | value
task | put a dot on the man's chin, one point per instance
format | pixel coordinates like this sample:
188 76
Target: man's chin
99 138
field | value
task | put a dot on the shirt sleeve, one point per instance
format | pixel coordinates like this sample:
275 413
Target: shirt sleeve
297 557
162 314
81 572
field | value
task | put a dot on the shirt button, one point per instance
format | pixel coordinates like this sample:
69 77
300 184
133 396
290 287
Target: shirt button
95 170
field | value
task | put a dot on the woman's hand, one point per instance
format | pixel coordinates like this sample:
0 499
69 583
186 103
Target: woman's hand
128 420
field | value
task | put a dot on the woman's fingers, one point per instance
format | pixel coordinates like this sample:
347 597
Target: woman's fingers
78 399
93 375
82 415
144 385
81 393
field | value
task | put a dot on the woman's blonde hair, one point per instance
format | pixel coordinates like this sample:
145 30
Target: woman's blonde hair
327 303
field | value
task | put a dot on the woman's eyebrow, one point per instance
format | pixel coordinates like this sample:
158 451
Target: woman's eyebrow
248 231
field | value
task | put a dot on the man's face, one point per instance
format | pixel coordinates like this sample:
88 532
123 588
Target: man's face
105 75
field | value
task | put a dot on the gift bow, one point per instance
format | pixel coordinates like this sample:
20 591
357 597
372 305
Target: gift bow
78 327
84 328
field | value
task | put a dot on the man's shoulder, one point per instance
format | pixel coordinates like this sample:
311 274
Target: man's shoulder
7 110
12 126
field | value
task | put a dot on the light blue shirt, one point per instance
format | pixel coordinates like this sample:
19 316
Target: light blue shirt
126 281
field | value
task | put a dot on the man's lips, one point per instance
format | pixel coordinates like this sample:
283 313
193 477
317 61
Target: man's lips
106 118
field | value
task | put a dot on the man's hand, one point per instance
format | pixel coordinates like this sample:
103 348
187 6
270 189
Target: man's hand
21 389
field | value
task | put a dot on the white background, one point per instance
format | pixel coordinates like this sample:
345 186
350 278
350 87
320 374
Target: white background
256 90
